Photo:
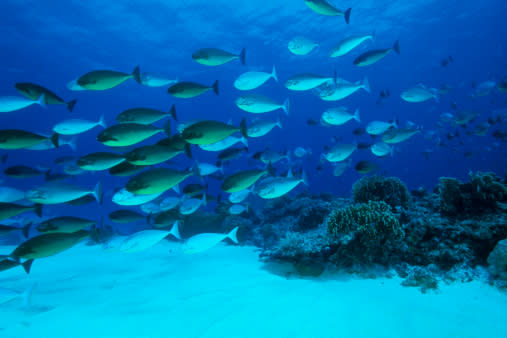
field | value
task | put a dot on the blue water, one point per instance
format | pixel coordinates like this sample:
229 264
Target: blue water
52 43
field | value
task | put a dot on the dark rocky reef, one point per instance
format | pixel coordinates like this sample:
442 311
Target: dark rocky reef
390 190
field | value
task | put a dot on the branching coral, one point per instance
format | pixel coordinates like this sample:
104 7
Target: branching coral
377 188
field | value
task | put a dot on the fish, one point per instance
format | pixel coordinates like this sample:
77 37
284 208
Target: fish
301 45
242 180
157 180
11 139
238 209
151 155
420 93
339 152
205 241
349 43
189 206
339 116
99 161
23 171
359 131
126 198
502 86
340 167
77 126
258 104
194 189
34 92
394 136
7 295
274 187
145 116
379 127
125 169
342 89
302 152
73 170
61 192
107 79
209 132
127 134
48 144
376 55
6 264
72 85
64 224
323 7
186 90
156 80
307 81
206 169
484 88
465 117
312 122
363 145
125 216
9 194
145 239
230 154
240 196
260 128
366 167
253 80
482 128
381 149
227 142
13 103
7 229
217 57
273 156
46 245
446 117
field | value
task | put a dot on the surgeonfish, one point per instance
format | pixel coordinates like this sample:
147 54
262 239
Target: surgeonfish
205 241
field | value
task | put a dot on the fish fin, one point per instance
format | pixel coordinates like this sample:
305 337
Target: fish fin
274 75
346 15
244 140
25 230
243 129
102 122
27 295
242 56
270 169
71 104
176 189
304 178
42 101
204 202
97 192
279 121
27 265
137 75
38 210
366 85
436 96
396 47
188 150
233 235
54 139
172 112
175 230
167 128
357 115
73 143
286 106
215 87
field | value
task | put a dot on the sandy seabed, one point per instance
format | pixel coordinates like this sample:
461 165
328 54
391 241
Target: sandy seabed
88 291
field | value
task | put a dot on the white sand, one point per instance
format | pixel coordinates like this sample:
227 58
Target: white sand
225 292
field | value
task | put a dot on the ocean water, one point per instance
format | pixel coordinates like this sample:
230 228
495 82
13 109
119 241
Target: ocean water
94 288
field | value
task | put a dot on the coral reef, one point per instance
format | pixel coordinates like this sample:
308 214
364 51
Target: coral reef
497 261
378 188
484 193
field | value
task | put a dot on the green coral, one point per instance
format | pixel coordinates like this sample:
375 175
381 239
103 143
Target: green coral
481 194
378 188
374 220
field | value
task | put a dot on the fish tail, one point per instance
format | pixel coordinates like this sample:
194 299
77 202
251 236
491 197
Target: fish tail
71 104
243 129
102 122
42 101
274 75
176 188
25 230
188 150
366 84
72 143
137 75
233 235
242 56
347 15
167 128
279 121
357 115
304 178
172 112
215 87
27 265
97 192
55 139
38 210
175 230
286 106
396 47
244 140
436 95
